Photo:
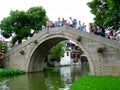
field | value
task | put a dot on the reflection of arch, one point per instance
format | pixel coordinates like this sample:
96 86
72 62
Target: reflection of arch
1 55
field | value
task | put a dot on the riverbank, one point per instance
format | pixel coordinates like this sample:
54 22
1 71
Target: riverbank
5 72
96 83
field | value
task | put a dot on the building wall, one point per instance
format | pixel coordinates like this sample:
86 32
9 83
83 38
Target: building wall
66 60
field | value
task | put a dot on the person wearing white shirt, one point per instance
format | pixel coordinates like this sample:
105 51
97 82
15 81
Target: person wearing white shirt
70 22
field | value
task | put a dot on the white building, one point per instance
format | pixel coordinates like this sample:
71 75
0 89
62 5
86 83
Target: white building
71 55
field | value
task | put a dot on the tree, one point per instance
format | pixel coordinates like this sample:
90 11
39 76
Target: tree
107 12
21 23
37 17
57 51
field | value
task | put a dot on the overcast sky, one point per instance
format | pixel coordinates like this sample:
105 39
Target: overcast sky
54 8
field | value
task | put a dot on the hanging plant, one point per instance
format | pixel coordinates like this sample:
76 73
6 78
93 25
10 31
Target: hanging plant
22 52
100 50
35 41
79 38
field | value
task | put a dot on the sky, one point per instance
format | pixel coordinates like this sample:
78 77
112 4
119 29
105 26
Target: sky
77 9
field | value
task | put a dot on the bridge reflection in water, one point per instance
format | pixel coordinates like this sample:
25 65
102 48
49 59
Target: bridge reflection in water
60 79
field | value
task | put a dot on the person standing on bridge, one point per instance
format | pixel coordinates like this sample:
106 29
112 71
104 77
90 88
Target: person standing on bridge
47 25
102 31
96 29
111 33
118 37
79 25
83 27
63 21
70 22
75 23
90 28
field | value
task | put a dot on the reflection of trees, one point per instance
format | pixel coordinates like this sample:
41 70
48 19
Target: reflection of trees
54 80
49 80
18 82
37 81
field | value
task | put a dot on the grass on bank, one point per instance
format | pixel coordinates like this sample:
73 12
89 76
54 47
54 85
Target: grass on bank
96 83
10 72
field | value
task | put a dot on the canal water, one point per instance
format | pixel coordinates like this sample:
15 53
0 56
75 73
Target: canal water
60 79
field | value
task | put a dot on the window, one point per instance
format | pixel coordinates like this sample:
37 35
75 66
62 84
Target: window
67 53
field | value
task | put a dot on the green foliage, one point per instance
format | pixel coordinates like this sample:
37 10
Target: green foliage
57 51
10 72
37 17
14 39
79 49
107 13
21 23
96 83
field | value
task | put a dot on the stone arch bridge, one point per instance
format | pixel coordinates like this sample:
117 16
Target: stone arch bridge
30 55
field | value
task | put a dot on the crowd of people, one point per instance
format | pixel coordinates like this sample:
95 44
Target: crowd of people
61 22
106 32
96 29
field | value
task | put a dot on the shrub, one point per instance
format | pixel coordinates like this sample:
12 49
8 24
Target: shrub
10 72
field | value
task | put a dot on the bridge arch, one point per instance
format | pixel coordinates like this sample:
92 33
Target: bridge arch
38 56
106 63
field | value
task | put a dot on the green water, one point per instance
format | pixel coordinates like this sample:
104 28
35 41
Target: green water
60 79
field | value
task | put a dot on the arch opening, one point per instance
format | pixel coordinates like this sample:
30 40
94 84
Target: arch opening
39 54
